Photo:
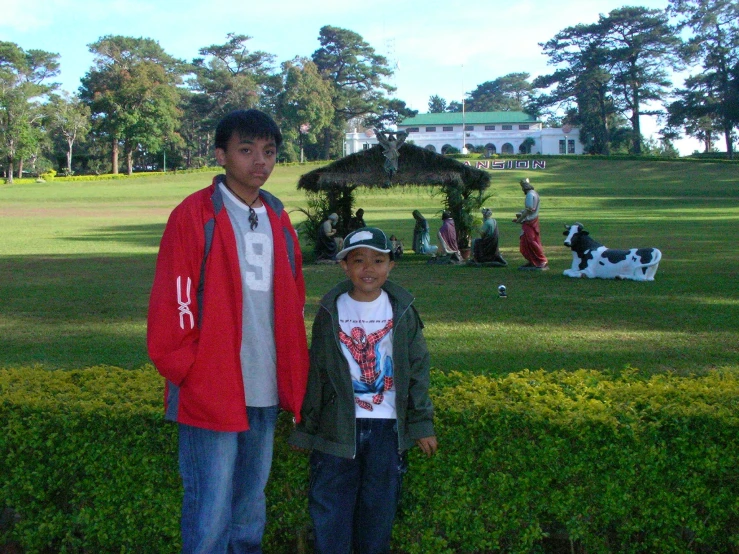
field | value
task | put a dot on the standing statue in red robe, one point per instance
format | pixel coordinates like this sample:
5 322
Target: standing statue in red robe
530 240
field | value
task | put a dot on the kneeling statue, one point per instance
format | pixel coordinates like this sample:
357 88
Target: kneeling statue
328 244
421 235
485 250
448 247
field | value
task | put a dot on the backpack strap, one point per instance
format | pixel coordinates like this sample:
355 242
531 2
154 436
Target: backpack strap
209 228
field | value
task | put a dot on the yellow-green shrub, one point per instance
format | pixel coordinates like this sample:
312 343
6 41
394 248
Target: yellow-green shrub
616 463
86 462
48 175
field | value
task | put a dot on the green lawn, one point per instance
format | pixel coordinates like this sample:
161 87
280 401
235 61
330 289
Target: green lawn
77 261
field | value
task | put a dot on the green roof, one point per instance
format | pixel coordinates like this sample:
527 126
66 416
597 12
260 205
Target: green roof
470 118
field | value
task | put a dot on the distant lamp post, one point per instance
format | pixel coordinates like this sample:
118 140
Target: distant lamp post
464 131
566 129
463 150
304 128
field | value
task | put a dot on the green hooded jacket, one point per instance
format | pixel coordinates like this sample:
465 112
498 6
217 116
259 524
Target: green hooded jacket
328 413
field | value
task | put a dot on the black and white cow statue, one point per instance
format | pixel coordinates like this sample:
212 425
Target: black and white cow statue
592 259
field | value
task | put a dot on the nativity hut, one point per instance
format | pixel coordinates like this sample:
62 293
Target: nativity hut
462 185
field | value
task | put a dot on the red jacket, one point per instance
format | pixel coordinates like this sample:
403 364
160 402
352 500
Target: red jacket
198 354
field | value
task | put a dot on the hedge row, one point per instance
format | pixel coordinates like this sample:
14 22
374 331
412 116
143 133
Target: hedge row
54 176
606 463
602 463
86 464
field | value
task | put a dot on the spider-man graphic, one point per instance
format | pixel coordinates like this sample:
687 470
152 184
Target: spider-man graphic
364 349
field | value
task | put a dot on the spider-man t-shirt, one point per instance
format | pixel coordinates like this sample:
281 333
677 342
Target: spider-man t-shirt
366 336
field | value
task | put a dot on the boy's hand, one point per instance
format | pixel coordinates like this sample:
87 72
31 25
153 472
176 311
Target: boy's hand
428 445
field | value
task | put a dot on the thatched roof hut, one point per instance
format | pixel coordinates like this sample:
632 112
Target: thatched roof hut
416 166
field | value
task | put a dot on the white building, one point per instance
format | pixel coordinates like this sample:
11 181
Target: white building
497 132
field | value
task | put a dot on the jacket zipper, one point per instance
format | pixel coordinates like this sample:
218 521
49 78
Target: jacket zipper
334 332
397 427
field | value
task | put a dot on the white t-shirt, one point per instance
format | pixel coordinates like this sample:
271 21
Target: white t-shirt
255 250
366 338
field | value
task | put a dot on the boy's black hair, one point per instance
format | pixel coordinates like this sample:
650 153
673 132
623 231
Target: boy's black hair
248 124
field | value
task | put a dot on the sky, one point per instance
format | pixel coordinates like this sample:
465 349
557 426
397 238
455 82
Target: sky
443 48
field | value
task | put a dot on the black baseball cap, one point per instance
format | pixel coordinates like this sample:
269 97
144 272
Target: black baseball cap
366 237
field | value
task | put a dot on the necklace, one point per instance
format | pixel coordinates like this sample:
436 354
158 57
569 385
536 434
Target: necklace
253 219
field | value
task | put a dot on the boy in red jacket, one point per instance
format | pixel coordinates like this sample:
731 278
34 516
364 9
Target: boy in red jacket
226 330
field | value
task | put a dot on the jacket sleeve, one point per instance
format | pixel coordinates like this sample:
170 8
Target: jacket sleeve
172 329
299 279
310 413
420 410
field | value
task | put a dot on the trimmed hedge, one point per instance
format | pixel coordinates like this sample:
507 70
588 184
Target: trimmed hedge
52 175
612 463
111 176
86 463
603 463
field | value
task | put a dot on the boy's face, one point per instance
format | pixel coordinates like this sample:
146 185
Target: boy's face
248 162
368 270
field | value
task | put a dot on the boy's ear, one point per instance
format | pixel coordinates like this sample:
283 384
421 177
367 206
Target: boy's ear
220 156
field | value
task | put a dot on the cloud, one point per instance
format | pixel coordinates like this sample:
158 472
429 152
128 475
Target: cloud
25 15
36 15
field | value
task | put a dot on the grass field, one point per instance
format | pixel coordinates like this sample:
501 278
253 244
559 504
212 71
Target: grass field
77 262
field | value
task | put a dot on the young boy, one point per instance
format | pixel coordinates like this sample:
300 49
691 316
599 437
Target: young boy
226 330
367 400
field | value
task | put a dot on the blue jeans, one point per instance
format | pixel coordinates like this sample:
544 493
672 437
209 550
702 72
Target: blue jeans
224 509
352 502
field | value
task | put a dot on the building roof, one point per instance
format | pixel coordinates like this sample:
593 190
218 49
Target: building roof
470 118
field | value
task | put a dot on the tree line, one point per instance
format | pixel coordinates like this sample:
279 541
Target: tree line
143 108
